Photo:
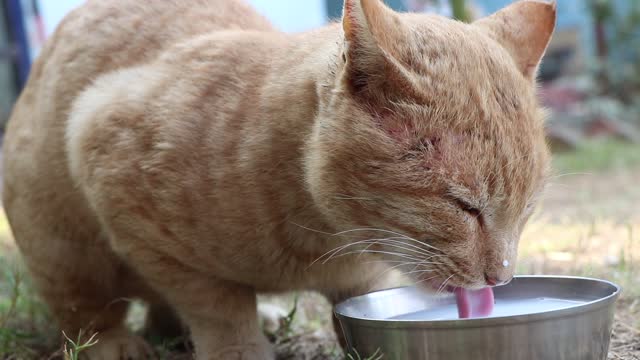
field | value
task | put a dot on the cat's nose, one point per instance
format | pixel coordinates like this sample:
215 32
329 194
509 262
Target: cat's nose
498 274
496 280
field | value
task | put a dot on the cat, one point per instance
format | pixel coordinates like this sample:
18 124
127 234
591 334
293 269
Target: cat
189 154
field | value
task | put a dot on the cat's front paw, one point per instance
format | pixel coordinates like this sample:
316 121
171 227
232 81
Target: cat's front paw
118 344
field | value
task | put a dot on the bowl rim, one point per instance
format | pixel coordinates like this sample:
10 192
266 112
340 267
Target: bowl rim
484 322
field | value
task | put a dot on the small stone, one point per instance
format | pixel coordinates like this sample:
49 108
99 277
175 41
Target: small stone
601 126
270 316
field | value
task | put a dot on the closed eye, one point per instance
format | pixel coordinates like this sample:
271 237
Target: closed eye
471 210
529 209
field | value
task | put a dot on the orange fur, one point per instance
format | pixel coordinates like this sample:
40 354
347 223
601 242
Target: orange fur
193 156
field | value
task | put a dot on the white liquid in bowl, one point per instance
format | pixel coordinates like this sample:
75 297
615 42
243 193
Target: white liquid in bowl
503 307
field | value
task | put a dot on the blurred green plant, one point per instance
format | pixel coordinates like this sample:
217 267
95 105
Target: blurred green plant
617 35
23 319
598 155
460 10
72 349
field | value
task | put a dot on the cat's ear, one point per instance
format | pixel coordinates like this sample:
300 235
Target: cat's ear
370 31
524 28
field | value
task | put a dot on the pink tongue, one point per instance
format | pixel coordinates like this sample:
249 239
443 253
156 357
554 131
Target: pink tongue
474 303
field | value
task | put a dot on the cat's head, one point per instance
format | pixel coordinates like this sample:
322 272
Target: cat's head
432 130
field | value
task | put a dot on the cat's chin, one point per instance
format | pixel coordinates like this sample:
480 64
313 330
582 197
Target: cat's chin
437 286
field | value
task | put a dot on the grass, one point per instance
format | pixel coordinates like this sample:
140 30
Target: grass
598 155
72 349
25 326
588 225
286 327
603 249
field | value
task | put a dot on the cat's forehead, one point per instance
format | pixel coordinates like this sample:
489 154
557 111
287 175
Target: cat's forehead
501 173
434 43
498 156
462 72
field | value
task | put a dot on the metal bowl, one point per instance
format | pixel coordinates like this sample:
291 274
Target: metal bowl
535 318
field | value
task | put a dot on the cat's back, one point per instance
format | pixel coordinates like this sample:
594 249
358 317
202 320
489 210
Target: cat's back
142 28
97 38
103 36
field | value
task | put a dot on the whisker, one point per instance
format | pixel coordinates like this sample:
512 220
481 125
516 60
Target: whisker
390 253
389 232
383 273
422 248
425 280
387 270
394 244
397 240
555 184
383 241
420 271
567 174
443 285
389 261
336 250
312 230
401 245
348 197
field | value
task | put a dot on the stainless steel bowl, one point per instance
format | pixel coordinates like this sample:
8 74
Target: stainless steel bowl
398 323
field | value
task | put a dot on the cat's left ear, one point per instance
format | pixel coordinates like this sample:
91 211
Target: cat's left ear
524 28
371 33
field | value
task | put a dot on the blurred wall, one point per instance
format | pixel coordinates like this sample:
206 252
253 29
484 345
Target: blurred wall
293 15
287 15
54 11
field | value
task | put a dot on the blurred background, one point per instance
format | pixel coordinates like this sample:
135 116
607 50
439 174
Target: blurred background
589 220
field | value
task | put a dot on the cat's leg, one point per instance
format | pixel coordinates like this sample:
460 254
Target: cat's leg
229 329
78 277
94 304
221 315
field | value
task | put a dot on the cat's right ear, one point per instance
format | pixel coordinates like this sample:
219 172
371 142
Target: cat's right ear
524 28
370 31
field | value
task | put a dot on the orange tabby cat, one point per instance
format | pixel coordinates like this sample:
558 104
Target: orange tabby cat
187 153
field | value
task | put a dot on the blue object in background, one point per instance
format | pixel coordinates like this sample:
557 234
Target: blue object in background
571 14
19 40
